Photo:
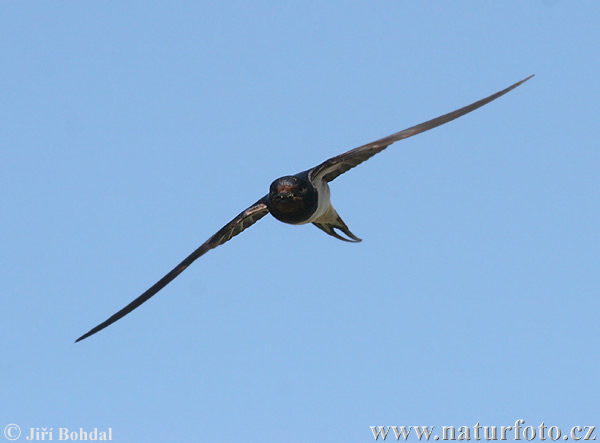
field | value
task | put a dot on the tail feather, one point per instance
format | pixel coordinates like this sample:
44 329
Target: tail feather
330 226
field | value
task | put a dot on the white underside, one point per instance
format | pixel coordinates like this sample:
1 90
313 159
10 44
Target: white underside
325 212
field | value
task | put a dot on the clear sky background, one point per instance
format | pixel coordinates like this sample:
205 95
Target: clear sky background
130 132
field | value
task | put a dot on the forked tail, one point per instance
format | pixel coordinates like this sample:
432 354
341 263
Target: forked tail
337 223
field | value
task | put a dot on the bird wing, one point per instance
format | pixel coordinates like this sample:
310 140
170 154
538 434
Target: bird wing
244 220
335 166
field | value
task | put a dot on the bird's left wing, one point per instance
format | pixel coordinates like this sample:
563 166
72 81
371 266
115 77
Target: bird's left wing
244 220
336 166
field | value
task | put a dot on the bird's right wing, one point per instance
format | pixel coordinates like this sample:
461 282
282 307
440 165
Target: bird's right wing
244 220
335 166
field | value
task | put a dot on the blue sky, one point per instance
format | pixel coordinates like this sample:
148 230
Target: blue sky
132 131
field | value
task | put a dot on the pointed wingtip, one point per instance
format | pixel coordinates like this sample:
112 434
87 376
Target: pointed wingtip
79 339
519 83
524 80
84 336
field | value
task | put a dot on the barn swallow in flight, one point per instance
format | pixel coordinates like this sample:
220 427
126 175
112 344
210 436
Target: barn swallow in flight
300 199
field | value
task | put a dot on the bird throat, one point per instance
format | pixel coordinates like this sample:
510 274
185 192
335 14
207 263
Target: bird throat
292 210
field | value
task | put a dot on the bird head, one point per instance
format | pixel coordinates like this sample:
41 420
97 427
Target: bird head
292 199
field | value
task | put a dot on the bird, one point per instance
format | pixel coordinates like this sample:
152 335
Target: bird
300 199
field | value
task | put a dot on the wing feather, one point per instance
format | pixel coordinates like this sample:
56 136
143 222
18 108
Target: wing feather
244 220
335 166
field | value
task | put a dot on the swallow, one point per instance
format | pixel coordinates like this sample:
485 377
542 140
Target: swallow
300 199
